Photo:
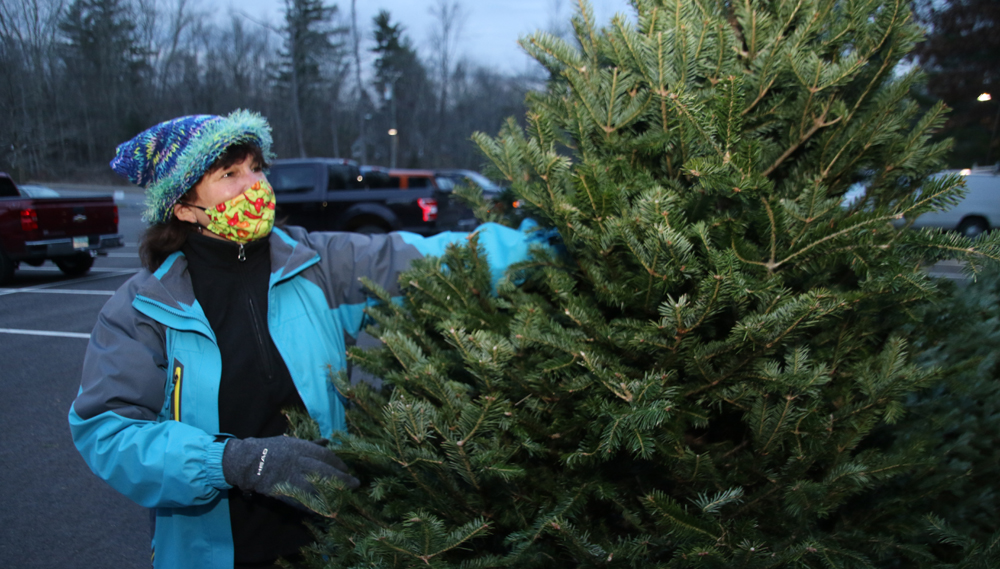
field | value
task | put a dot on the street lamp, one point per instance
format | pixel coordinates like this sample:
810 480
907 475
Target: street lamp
395 144
984 97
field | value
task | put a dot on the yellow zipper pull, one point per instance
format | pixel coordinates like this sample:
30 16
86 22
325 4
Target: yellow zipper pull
176 398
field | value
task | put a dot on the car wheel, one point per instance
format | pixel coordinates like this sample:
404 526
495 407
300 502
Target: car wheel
973 227
6 268
76 265
370 229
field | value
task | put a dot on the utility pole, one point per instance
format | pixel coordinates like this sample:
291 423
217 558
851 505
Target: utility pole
390 95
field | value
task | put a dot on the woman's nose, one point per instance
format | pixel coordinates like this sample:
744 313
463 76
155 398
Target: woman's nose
252 176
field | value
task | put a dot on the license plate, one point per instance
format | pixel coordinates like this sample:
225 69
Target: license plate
81 242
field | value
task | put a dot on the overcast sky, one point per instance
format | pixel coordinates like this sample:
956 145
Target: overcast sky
491 28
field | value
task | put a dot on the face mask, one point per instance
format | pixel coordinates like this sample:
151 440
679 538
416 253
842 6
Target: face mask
247 217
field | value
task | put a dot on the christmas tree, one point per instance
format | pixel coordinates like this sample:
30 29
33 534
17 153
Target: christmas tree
958 420
698 368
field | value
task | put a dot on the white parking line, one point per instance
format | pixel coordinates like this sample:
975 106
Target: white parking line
59 291
44 333
80 280
56 269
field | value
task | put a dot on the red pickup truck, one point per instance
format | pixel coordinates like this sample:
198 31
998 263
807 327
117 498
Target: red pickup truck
68 231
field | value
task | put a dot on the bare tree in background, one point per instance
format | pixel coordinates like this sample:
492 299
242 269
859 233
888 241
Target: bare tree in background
181 19
312 39
359 109
336 67
29 71
106 67
77 77
483 99
245 59
449 20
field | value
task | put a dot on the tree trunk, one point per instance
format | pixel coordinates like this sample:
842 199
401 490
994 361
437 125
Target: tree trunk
360 111
297 107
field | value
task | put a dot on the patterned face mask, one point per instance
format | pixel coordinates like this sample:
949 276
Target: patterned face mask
245 218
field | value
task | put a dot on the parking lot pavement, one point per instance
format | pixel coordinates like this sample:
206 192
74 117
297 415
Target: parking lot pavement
54 512
947 270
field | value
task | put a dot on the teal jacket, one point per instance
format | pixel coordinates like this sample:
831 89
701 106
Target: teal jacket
146 418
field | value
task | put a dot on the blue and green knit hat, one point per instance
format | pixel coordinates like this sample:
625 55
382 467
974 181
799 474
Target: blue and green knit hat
169 158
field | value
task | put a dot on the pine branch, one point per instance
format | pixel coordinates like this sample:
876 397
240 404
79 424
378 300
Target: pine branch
841 233
817 123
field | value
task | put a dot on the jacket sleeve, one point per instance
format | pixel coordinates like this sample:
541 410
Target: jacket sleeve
118 421
347 257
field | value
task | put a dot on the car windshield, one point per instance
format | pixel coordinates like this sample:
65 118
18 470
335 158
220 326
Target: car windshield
291 178
39 192
483 182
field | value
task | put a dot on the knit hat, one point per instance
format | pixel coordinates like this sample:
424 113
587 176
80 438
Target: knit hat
169 158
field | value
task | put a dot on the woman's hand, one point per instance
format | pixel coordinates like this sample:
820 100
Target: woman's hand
258 465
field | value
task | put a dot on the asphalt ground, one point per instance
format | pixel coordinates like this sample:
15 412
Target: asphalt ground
54 513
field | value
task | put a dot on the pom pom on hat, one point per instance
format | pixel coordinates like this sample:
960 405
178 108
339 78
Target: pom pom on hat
168 159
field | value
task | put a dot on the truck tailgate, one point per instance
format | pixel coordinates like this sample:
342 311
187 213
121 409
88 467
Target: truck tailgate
69 217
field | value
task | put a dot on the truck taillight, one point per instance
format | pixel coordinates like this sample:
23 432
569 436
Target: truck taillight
116 215
429 207
29 220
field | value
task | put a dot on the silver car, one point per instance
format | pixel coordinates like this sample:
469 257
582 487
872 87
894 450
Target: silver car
977 213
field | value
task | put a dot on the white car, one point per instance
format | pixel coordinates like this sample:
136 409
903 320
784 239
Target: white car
977 213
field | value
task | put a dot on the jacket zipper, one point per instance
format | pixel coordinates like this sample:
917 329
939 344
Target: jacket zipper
241 256
259 336
268 365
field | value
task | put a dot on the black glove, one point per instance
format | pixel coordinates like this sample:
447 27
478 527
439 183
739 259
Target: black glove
257 465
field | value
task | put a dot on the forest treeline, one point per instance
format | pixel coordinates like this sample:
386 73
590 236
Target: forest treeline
77 77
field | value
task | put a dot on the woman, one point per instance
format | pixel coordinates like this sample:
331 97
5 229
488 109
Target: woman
193 360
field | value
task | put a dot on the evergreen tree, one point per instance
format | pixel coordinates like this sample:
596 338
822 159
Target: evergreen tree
402 79
698 370
392 49
311 39
105 64
960 55
959 418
